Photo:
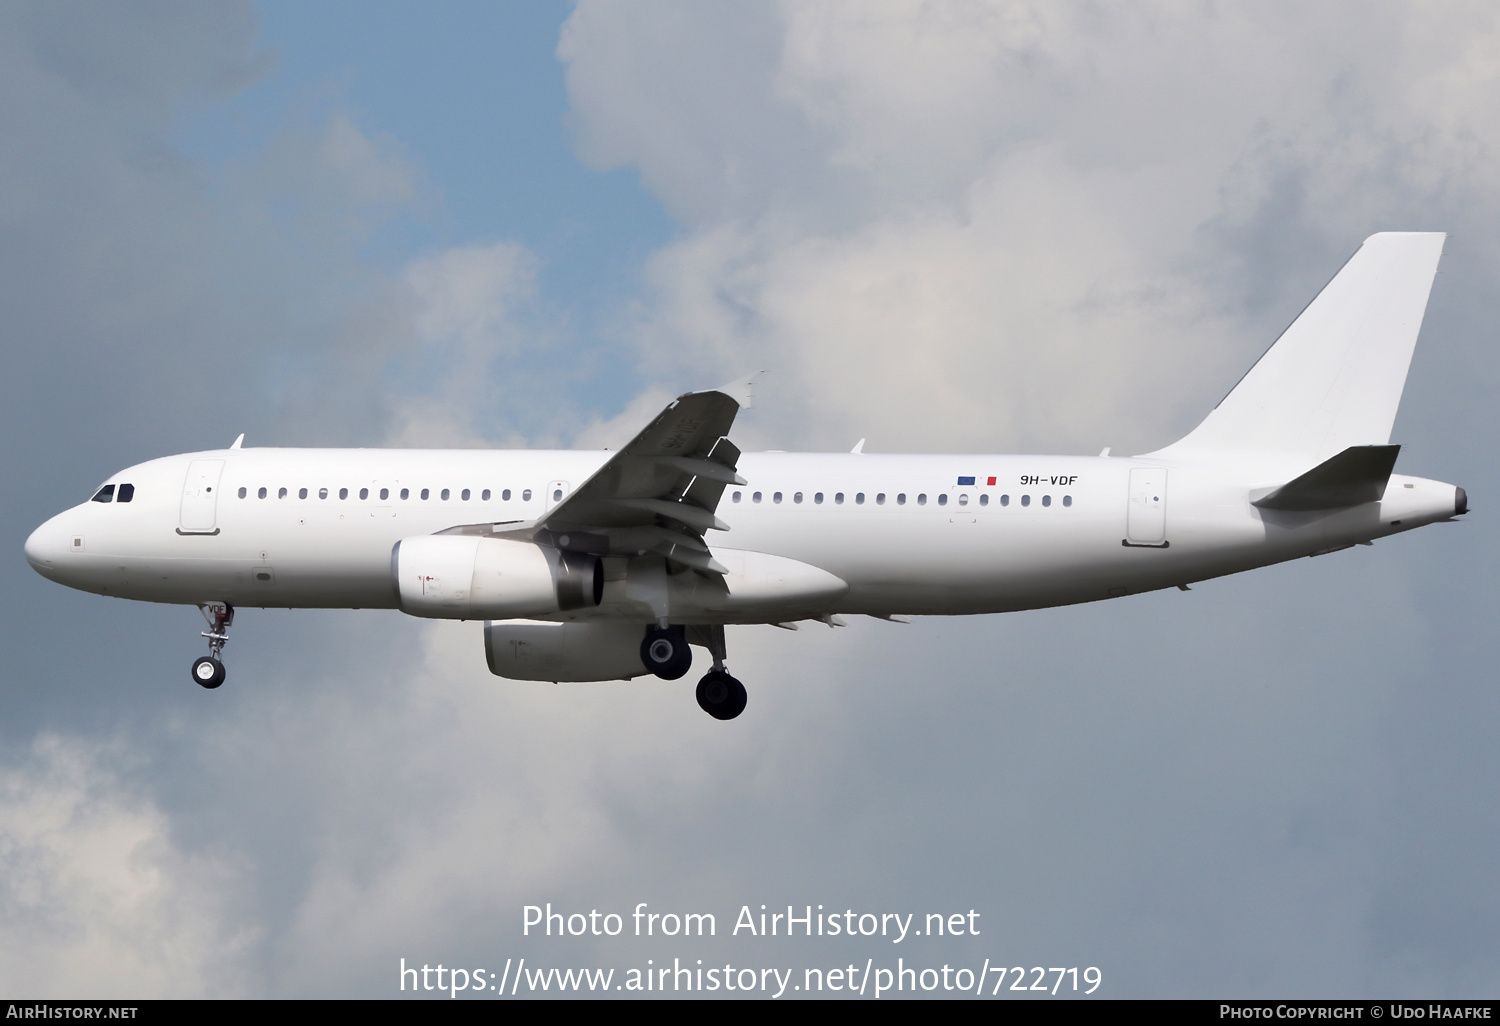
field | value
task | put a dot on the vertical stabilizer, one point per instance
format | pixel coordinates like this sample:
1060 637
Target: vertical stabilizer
1334 378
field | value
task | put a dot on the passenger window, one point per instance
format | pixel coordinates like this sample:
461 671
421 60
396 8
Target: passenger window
922 499
818 498
1005 500
1067 500
281 493
385 493
261 493
107 494
301 493
406 493
838 498
755 497
127 492
424 493
557 495
963 499
364 493
484 496
526 495
776 497
880 498
443 495
242 491
943 499
343 493
1026 500
797 497
859 498
505 495
737 496
1046 500
901 498
984 500
464 495
322 493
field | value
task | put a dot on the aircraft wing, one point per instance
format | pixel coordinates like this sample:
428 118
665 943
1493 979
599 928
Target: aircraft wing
658 493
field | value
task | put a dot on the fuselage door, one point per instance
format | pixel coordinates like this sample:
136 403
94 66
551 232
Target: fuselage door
200 497
1146 517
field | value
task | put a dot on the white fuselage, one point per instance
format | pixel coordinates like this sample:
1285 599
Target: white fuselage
309 527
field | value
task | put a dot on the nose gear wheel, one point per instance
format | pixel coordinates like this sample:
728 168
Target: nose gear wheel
208 672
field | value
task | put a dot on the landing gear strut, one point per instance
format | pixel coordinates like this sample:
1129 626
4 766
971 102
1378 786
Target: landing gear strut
720 695
208 670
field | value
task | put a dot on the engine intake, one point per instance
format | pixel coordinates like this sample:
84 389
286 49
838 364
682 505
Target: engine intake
464 577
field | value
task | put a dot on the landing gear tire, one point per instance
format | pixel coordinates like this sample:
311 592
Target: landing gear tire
208 672
721 696
665 652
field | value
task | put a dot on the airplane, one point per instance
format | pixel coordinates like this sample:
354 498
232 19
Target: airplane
598 565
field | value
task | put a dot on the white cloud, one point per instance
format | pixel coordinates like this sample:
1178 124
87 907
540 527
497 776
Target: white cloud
1016 217
1022 322
96 896
463 796
469 308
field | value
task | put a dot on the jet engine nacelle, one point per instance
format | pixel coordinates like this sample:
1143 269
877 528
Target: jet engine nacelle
539 650
468 577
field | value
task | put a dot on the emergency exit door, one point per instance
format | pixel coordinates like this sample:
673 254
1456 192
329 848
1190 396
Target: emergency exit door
1146 517
200 497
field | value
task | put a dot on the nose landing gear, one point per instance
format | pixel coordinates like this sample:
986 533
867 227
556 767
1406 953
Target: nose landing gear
208 671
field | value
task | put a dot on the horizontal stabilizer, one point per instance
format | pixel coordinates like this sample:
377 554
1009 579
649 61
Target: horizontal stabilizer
1356 475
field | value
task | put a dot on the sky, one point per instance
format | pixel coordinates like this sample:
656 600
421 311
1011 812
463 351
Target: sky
950 227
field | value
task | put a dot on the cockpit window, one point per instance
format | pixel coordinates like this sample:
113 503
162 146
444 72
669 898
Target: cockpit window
105 494
127 492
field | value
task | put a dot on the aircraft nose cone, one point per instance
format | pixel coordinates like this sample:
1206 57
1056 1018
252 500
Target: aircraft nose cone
43 548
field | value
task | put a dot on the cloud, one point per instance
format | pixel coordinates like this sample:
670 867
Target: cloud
1040 212
469 330
98 898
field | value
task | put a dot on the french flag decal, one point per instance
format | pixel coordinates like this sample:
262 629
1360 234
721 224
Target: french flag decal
966 480
991 482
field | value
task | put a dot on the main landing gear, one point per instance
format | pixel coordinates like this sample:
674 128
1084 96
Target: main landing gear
721 696
666 652
208 670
